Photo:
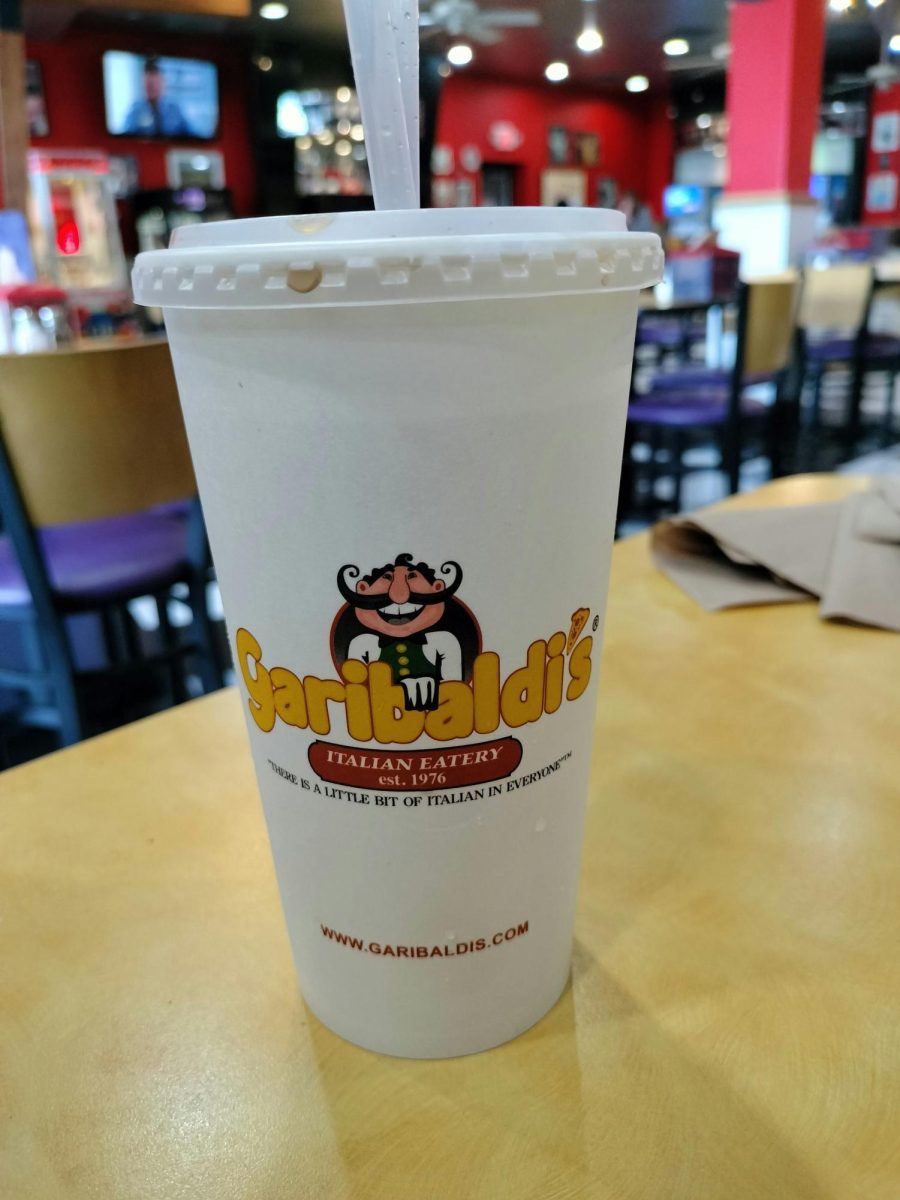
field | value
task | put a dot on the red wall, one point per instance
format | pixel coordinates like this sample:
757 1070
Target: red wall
636 139
73 85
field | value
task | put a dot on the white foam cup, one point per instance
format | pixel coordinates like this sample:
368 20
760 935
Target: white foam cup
407 431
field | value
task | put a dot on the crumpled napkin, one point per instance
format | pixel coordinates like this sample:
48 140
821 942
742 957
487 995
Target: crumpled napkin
847 554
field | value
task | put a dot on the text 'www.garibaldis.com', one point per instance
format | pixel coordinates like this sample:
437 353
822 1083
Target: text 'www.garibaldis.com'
454 949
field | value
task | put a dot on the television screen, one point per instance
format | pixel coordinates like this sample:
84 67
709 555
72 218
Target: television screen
683 200
150 96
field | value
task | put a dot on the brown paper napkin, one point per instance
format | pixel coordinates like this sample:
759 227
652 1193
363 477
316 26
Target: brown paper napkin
864 580
846 553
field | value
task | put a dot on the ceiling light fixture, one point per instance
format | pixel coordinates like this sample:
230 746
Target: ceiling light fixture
344 95
273 10
675 47
556 72
894 44
840 6
704 121
637 83
875 3
460 55
590 40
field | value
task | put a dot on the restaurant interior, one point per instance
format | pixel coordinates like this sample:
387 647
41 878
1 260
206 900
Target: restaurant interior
724 1025
766 155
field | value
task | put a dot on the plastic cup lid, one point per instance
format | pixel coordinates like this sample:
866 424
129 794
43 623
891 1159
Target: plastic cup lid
411 257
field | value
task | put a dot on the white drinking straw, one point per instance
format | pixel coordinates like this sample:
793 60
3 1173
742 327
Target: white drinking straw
384 46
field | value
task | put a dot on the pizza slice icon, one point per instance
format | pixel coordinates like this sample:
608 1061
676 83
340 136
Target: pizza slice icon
579 620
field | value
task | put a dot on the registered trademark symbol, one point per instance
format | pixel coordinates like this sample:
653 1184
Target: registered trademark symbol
596 624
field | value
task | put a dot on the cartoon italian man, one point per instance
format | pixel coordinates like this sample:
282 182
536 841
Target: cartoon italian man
405 615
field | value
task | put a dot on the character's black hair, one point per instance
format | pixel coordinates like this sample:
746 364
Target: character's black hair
402 560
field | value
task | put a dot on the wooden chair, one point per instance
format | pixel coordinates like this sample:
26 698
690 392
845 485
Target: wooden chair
834 333
713 401
99 506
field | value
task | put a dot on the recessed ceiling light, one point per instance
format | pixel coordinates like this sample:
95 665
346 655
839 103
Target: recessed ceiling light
344 95
637 83
875 3
263 62
460 55
273 10
675 47
704 121
357 133
840 6
556 72
589 41
343 148
445 70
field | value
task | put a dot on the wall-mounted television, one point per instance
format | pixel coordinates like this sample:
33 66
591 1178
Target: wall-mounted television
151 96
684 200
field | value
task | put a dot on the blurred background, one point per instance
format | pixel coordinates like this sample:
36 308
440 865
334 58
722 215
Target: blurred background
760 138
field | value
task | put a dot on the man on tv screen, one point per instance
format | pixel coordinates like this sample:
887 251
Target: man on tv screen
154 115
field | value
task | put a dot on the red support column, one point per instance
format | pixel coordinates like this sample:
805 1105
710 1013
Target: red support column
774 86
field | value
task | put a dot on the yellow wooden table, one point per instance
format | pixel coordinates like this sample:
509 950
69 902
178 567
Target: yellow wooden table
733 1027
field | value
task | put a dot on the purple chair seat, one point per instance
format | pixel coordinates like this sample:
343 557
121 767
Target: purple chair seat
100 560
841 349
667 332
687 410
702 379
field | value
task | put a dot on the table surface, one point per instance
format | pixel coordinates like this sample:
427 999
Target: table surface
732 1031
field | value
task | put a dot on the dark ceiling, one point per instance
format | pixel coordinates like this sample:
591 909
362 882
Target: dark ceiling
634 31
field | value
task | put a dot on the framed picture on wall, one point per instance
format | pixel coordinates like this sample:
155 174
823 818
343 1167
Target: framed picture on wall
881 192
563 188
443 193
465 193
886 132
124 177
195 168
607 192
587 146
35 103
559 146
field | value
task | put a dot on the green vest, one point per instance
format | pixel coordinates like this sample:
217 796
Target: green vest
407 658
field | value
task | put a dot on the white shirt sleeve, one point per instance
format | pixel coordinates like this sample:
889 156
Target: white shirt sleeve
364 647
444 646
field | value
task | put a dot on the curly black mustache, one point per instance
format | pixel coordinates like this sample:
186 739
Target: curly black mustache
358 600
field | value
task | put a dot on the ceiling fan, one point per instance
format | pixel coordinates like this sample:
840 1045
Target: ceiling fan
712 63
464 19
887 70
